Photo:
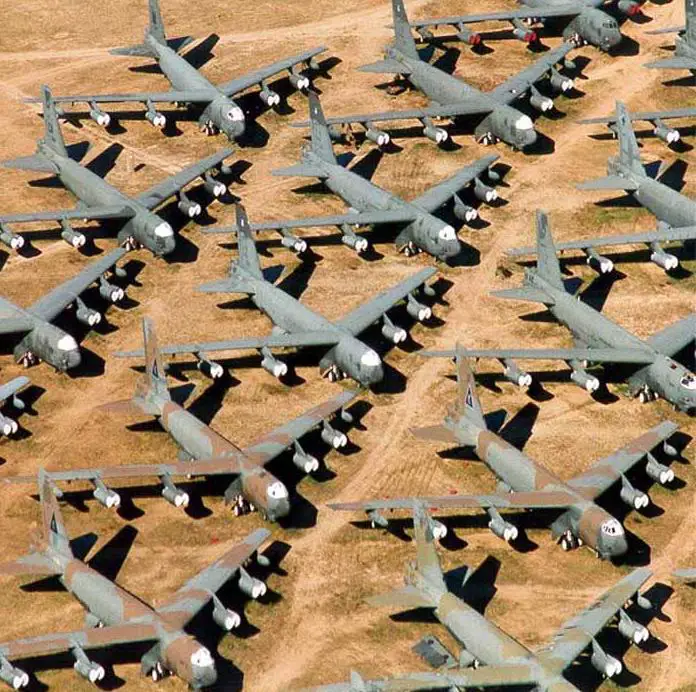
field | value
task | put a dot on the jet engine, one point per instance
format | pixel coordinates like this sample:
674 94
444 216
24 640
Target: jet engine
250 586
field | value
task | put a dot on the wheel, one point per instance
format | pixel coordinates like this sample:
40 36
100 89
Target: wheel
565 544
643 398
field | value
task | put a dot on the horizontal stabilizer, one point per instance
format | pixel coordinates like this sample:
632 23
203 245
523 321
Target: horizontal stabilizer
300 170
126 407
688 574
35 162
140 50
386 67
34 563
673 64
231 285
667 30
408 597
434 433
610 182
534 295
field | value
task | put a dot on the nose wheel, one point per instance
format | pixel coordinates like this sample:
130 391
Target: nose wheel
209 128
410 250
158 672
242 506
646 395
29 359
334 374
569 541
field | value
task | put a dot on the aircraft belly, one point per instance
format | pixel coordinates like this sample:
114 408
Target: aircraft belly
180 73
360 194
440 87
89 188
667 204
193 436
510 466
287 313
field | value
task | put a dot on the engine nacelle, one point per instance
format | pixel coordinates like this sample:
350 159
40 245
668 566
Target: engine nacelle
417 310
512 373
466 35
72 237
604 663
214 187
501 528
269 97
174 495
601 264
559 82
463 211
425 33
13 240
632 630
663 259
250 586
629 7
305 462
379 137
209 367
15 677
522 32
483 192
105 496
542 103
109 291
335 133
350 239
377 519
99 116
669 135
155 118
86 315
334 438
8 426
437 529
299 81
187 206
584 380
635 499
658 472
390 331
292 242
89 670
435 134
225 618
272 365
667 448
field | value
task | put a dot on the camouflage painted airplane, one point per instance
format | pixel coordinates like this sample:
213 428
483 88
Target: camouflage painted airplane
42 340
9 426
205 452
99 200
646 365
505 661
588 23
371 205
526 484
219 112
116 617
296 326
451 97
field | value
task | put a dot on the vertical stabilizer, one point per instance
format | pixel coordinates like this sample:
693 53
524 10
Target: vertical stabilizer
321 139
427 560
156 25
248 254
690 12
403 38
548 266
629 154
52 519
53 137
467 405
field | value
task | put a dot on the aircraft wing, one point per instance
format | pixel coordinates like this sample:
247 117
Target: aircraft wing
594 355
674 337
359 218
181 96
668 30
170 186
14 385
512 88
602 475
272 444
663 235
298 340
688 574
577 633
560 10
93 638
191 598
255 78
52 304
363 316
13 319
105 212
644 115
441 193
673 64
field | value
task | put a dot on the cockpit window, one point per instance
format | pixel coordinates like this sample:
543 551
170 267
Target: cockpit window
688 382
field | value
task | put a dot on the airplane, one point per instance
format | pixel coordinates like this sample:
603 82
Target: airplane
42 340
452 97
116 617
589 23
296 326
371 205
204 452
9 426
219 112
98 200
646 365
526 484
684 43
503 660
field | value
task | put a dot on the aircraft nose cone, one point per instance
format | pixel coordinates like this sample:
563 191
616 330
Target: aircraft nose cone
450 250
278 509
372 375
618 546
167 246
205 677
72 359
529 138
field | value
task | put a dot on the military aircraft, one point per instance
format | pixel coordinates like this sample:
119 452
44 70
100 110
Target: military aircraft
371 205
526 484
504 661
646 365
451 97
116 617
296 326
100 200
42 340
684 43
205 452
9 426
589 23
219 112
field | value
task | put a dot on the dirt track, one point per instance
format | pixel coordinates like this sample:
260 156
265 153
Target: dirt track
318 629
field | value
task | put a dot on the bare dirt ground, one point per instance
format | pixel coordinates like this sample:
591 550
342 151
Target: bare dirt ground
318 628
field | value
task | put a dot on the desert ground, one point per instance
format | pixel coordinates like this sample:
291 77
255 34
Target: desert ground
314 627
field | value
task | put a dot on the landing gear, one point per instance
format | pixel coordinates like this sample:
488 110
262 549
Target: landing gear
334 374
241 506
157 672
487 139
209 128
569 541
131 243
29 359
410 250
646 395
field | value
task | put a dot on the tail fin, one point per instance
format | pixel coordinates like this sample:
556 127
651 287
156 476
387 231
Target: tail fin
155 29
548 266
403 38
248 256
321 140
427 561
53 137
690 12
629 154
53 527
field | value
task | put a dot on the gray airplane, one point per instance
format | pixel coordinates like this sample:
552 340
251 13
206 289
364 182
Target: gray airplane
99 200
296 326
116 617
371 205
505 662
42 340
205 452
526 484
589 23
9 426
219 112
684 43
646 365
451 97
